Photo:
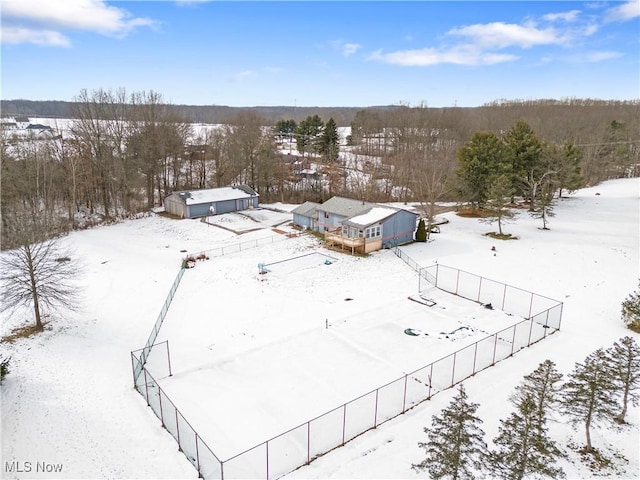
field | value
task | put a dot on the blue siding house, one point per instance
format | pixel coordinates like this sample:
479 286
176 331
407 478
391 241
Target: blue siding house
213 201
305 215
358 226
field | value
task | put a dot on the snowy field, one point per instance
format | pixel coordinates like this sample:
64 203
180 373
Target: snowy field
310 337
69 398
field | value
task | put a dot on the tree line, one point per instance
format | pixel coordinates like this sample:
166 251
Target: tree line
597 391
125 152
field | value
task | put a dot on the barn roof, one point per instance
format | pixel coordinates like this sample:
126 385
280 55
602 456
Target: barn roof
211 195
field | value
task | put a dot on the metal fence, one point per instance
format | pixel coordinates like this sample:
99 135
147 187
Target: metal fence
189 442
241 246
303 443
144 353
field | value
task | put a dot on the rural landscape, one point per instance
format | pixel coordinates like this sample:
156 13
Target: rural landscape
319 240
276 285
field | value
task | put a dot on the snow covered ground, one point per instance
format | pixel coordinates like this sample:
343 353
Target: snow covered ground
69 399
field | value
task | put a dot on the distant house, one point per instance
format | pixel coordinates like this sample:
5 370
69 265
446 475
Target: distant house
213 201
22 122
359 226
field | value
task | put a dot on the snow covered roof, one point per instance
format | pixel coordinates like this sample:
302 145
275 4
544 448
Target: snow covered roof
374 215
195 197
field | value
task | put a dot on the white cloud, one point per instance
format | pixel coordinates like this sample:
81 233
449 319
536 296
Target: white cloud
48 16
350 49
345 48
461 55
16 35
622 13
594 57
569 16
503 35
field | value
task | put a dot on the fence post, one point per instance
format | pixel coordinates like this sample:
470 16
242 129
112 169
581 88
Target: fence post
430 380
344 421
197 456
160 400
453 369
495 346
530 331
308 442
133 367
375 412
531 305
267 444
504 296
404 396
178 429
146 386
457 280
479 290
513 339
169 359
437 269
475 356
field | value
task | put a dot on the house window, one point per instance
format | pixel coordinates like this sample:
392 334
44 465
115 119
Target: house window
374 232
345 231
326 214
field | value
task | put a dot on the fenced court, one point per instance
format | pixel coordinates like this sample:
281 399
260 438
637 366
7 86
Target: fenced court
297 263
318 372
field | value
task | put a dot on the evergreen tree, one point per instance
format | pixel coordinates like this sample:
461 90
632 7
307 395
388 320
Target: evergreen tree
421 232
308 132
569 176
542 386
631 311
498 197
589 396
523 446
478 161
524 151
329 141
543 207
624 361
455 448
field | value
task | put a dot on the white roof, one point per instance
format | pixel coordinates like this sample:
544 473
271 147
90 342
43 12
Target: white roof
376 214
196 197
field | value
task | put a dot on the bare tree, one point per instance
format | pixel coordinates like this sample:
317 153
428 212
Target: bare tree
39 273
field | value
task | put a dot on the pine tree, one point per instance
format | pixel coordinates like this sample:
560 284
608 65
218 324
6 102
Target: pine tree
523 446
631 311
624 362
455 448
543 208
478 161
421 232
329 141
542 386
498 198
589 395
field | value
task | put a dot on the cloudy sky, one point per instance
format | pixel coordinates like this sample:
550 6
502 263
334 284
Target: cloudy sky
340 53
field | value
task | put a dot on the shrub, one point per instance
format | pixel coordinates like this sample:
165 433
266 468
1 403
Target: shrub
421 232
631 311
4 367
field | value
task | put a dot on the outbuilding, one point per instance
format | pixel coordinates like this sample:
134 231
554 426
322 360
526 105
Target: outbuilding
212 201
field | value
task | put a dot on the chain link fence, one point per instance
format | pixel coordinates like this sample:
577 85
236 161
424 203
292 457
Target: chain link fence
539 317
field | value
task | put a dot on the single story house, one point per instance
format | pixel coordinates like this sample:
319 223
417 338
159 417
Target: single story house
212 201
359 226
